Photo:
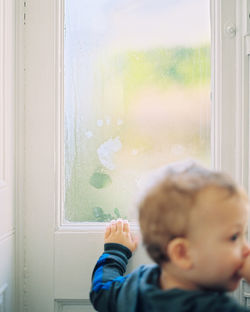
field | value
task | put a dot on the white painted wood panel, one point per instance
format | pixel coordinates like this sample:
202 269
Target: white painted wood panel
2 97
81 251
7 273
7 156
73 306
7 80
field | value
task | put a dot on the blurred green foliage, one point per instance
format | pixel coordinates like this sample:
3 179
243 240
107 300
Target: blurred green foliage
101 216
164 68
100 180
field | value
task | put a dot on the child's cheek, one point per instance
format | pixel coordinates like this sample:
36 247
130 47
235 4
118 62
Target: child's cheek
245 269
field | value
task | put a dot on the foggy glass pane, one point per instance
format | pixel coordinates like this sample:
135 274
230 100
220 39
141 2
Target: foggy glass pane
136 97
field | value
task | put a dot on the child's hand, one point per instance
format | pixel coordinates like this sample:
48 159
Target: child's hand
119 232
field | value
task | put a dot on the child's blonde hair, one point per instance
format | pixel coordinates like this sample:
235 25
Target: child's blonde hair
164 212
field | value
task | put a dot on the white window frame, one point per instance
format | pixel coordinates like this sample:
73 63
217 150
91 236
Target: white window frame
230 96
230 107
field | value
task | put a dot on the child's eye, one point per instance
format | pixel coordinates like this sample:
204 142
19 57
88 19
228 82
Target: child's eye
234 237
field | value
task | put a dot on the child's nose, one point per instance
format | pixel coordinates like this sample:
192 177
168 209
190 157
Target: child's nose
246 249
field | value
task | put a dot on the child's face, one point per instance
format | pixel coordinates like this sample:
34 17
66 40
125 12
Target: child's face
217 240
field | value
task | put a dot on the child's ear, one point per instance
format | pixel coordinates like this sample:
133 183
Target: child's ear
178 252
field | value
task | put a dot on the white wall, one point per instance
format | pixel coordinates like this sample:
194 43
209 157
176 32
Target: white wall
7 156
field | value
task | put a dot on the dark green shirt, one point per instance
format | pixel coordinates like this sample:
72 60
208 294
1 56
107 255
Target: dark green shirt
140 291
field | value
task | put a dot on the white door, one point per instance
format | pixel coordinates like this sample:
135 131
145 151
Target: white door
94 73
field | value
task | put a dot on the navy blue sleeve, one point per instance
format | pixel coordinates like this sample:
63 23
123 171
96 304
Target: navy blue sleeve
107 277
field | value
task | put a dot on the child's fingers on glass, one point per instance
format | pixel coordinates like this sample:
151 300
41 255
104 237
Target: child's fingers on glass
119 225
108 230
113 225
125 226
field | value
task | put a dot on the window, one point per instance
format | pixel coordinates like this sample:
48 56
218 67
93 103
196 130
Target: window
137 96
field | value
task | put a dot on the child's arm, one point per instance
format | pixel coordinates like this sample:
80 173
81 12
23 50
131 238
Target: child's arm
107 278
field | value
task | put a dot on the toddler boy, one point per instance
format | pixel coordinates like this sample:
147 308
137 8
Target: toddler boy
193 223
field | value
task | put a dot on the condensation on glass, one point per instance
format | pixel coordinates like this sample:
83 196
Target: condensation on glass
136 97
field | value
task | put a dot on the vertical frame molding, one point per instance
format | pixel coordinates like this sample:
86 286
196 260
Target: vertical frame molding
3 91
230 85
39 164
223 83
3 291
242 95
21 266
7 155
244 84
230 89
59 116
230 95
